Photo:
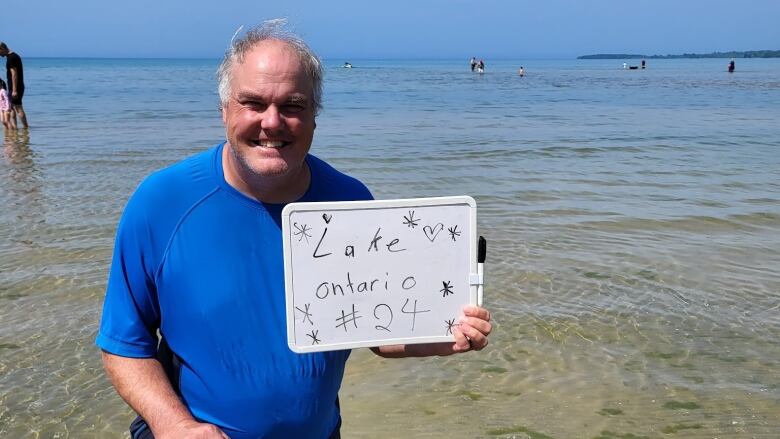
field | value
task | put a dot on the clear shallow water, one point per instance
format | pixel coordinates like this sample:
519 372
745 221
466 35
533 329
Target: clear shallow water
633 221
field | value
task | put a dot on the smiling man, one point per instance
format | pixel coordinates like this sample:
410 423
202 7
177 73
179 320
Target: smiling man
193 329
269 115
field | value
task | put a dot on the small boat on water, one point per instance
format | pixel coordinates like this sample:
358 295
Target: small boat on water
347 65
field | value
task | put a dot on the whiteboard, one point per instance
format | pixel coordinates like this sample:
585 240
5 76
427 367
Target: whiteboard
372 273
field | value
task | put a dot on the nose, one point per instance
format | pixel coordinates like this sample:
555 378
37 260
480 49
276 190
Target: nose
272 119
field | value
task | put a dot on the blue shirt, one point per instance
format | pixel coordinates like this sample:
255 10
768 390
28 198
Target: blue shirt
202 262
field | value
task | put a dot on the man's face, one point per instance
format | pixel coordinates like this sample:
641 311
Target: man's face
269 116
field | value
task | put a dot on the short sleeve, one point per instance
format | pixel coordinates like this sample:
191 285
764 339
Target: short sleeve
130 310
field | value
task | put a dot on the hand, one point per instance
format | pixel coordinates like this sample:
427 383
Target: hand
192 429
473 330
471 333
13 94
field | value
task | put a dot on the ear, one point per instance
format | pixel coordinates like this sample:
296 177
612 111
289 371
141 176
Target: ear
223 110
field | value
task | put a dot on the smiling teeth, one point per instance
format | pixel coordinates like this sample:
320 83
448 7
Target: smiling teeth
271 143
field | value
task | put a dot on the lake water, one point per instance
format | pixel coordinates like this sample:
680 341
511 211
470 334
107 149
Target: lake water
632 216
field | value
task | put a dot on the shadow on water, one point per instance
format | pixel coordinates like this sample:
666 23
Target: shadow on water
20 196
19 157
16 145
23 186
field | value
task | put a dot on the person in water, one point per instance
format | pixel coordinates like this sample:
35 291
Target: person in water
731 66
5 107
193 333
521 71
15 76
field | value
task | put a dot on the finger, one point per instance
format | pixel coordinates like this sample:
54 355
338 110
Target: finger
480 325
477 312
462 343
478 339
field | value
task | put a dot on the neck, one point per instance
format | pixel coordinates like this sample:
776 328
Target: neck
274 190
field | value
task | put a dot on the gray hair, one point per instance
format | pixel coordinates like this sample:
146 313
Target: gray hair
266 31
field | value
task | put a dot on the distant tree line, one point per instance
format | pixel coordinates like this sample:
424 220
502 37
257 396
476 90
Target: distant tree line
732 54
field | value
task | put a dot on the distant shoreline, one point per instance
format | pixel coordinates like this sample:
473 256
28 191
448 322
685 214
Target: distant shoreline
732 54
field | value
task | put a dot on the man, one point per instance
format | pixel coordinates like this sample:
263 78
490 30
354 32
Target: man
15 76
198 258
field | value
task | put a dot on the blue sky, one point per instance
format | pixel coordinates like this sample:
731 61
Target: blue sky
353 29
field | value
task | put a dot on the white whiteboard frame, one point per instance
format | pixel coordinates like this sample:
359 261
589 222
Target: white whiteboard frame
365 205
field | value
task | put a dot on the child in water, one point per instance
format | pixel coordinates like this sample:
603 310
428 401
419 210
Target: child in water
5 106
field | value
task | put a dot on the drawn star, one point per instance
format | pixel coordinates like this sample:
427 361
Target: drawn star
449 324
306 314
453 232
313 336
447 290
302 233
410 220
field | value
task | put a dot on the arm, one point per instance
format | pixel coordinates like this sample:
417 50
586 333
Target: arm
142 383
471 334
14 82
131 320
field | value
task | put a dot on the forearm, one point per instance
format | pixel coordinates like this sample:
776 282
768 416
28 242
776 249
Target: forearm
14 82
142 383
394 351
414 350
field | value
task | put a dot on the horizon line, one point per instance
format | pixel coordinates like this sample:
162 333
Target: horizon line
421 58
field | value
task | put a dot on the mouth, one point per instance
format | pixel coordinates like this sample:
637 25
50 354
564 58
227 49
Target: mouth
275 144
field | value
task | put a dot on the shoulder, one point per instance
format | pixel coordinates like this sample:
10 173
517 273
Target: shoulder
184 179
165 196
330 184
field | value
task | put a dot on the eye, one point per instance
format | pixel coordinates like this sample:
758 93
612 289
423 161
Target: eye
257 106
253 105
292 108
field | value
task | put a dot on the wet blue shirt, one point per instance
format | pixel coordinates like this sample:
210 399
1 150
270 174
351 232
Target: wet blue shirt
203 263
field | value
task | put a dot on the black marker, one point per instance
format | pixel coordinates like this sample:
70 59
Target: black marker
481 253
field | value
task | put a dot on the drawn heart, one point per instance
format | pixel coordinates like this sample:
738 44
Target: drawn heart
432 232
327 218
